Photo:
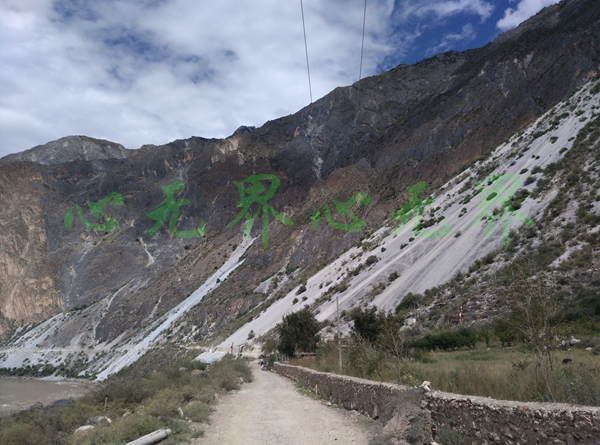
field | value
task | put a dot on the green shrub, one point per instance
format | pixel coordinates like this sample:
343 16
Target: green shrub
547 252
197 411
577 384
164 403
157 395
417 433
17 433
128 429
409 302
449 437
449 339
371 259
298 332
367 323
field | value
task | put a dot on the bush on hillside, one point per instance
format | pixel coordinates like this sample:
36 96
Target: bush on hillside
446 340
298 332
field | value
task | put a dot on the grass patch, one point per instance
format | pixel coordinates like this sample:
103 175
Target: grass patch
136 404
497 372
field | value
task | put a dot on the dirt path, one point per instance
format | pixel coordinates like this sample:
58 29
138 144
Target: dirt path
271 411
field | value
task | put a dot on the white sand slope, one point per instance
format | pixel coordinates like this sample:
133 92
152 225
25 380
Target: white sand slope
427 262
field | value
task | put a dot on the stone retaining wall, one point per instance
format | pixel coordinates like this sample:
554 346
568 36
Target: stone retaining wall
374 399
479 420
482 420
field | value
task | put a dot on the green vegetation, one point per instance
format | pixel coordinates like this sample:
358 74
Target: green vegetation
298 332
137 406
447 340
504 373
70 370
521 304
518 355
30 371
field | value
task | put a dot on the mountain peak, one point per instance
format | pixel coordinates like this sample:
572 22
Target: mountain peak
69 149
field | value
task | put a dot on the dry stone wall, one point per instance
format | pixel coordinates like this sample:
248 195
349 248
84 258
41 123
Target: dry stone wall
481 420
374 399
478 420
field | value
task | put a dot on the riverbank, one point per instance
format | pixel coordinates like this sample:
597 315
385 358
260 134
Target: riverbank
177 396
18 393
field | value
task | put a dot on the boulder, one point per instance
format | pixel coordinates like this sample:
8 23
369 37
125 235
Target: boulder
99 420
83 430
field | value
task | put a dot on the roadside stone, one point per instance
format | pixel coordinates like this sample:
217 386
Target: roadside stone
82 430
99 420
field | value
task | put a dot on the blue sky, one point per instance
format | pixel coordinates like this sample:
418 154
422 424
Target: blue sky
150 71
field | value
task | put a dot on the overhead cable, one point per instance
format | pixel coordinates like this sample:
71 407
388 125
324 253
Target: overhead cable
306 50
362 46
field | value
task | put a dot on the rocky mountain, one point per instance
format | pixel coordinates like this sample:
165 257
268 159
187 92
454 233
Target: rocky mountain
104 250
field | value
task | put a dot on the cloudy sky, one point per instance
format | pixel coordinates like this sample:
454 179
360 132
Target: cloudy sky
151 71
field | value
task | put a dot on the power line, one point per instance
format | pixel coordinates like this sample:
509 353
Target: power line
306 50
362 46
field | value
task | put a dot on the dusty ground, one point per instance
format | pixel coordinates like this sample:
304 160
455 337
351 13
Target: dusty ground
271 411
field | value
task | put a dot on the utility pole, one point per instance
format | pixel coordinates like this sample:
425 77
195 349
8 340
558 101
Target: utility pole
337 310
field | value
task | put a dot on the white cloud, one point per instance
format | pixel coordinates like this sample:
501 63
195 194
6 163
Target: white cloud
148 72
443 9
466 34
525 9
137 72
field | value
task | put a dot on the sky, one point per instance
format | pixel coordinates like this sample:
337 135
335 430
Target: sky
141 72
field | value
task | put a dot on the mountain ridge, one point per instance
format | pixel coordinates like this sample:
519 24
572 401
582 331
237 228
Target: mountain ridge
423 122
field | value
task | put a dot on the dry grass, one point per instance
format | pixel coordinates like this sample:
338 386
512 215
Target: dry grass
500 373
137 405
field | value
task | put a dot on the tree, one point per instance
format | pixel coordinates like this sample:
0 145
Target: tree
377 340
536 309
365 357
298 332
269 346
367 323
393 344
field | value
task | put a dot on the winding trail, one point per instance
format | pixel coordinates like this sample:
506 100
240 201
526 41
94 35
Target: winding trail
270 411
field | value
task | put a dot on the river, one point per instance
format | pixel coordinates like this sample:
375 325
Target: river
21 393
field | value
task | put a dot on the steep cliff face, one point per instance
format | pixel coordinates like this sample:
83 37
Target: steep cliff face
28 290
96 230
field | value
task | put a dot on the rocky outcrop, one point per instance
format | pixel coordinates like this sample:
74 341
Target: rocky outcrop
69 149
28 288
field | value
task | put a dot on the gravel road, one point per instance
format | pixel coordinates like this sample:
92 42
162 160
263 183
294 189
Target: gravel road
271 411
